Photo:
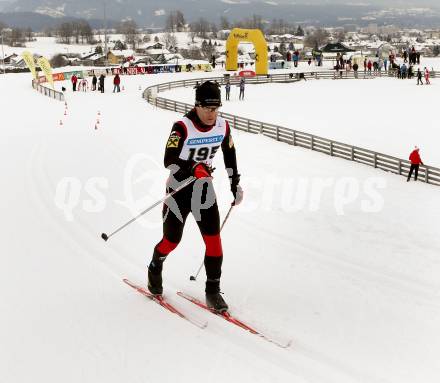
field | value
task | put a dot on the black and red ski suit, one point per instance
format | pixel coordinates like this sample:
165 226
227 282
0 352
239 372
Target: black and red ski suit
208 219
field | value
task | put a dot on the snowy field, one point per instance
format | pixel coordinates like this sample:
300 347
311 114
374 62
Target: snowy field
341 258
386 115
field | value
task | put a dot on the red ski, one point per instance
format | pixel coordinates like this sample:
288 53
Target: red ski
160 300
228 317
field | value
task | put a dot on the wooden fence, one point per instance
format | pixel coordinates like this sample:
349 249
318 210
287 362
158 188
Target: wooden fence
333 148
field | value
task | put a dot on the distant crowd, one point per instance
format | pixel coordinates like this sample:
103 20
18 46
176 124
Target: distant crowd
81 84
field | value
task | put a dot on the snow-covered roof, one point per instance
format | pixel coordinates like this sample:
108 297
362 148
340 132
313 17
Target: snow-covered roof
125 52
96 56
157 51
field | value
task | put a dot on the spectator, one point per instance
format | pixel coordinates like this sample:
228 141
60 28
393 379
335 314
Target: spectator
241 85
403 71
228 89
415 159
427 82
101 83
419 77
84 85
116 83
74 80
94 82
355 69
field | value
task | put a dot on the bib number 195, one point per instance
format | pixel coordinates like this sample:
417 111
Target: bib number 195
202 154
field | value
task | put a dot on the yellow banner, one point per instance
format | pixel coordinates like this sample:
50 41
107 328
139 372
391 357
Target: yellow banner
29 60
46 68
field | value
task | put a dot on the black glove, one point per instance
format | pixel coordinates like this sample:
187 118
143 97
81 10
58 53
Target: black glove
236 189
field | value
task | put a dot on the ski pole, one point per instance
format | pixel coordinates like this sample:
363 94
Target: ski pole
106 237
192 277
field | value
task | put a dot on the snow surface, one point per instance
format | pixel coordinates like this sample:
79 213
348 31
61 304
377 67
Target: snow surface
348 271
386 115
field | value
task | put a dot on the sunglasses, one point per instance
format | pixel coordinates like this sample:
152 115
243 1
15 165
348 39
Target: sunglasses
210 108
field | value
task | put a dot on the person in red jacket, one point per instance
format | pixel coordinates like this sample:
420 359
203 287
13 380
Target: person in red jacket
74 80
415 159
116 83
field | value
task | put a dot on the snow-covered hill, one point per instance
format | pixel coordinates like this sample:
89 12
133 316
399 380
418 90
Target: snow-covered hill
339 257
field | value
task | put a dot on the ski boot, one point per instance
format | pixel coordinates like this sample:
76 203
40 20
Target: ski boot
155 277
216 302
155 283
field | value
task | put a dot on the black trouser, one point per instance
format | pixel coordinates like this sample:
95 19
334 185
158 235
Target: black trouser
419 79
241 95
176 211
412 168
227 94
74 86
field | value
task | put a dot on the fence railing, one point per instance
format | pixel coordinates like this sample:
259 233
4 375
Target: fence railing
48 91
293 137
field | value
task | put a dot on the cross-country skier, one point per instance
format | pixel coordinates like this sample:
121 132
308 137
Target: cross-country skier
191 147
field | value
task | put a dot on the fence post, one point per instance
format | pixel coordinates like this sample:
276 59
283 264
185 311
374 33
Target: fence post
294 138
278 133
175 106
331 148
311 142
375 160
426 174
248 127
352 153
400 167
261 128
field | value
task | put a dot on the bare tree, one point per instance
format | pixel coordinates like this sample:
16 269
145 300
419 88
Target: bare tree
280 27
169 40
193 35
129 29
224 23
175 21
17 37
28 33
340 36
65 32
316 39
207 49
146 38
85 31
201 27
192 53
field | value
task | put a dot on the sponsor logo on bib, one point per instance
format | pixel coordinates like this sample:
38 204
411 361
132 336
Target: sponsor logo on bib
205 140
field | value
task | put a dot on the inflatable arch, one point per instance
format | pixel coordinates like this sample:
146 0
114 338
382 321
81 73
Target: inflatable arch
254 36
